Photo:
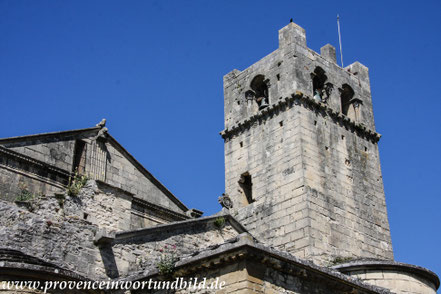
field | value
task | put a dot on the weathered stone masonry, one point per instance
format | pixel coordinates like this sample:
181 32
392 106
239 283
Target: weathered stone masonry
304 209
317 189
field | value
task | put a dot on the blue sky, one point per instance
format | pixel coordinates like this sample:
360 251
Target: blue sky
154 70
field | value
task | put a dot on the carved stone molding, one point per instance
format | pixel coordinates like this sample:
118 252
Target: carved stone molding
298 99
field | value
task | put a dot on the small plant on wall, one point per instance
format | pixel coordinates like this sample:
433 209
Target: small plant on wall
76 183
26 198
167 261
339 260
25 195
219 223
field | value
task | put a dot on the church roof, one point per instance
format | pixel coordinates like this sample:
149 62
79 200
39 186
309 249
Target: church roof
94 131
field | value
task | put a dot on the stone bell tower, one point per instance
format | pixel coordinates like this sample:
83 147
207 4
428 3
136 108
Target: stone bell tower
302 167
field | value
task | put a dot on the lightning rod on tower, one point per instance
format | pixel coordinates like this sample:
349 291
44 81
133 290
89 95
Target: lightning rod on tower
339 39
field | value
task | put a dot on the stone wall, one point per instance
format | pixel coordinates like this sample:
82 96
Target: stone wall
62 228
317 186
65 229
20 174
13 183
345 190
145 248
56 150
235 276
66 242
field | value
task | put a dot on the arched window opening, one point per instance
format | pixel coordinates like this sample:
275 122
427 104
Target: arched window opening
346 95
320 90
260 89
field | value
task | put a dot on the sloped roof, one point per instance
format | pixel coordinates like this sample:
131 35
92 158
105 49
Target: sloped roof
50 134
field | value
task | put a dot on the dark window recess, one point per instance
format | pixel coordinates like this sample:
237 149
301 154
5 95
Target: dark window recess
346 95
318 83
259 85
321 90
247 187
79 162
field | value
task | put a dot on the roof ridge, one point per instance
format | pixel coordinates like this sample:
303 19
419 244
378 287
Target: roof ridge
18 138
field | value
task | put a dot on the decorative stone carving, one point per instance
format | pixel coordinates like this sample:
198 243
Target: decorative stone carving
102 134
102 123
225 201
329 87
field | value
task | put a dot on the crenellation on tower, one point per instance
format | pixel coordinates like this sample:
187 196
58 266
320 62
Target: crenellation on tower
292 34
328 53
297 68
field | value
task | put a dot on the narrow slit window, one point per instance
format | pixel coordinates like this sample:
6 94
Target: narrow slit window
246 184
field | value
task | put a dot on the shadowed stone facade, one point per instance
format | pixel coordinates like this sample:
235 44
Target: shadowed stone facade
303 210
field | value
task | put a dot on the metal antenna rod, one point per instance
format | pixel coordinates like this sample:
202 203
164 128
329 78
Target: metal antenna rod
339 39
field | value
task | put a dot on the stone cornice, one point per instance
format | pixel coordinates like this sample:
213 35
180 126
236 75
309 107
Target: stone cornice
198 222
172 215
299 99
46 135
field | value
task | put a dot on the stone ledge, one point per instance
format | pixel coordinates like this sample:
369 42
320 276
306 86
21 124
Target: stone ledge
51 134
120 236
307 102
158 208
